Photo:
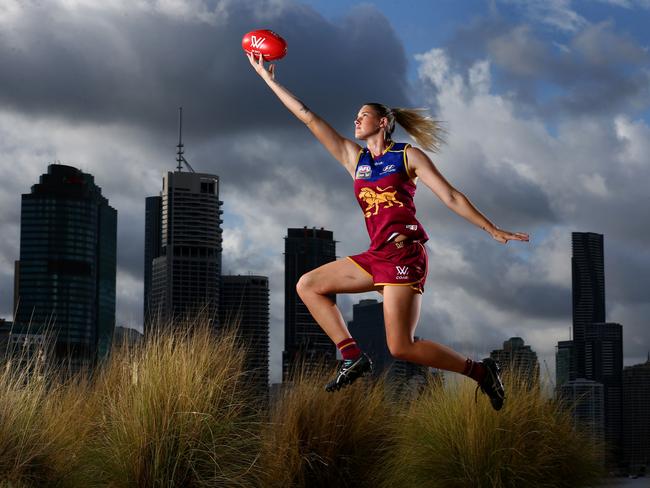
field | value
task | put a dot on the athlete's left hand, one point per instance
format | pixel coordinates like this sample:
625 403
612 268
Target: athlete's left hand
504 236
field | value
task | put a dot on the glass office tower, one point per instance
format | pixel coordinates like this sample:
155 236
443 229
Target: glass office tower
66 273
305 343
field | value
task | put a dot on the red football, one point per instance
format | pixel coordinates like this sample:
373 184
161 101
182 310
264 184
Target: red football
264 41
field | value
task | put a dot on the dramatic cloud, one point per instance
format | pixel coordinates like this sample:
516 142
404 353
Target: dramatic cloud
526 178
594 71
90 62
545 136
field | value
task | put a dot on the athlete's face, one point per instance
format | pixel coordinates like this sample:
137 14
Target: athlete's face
368 123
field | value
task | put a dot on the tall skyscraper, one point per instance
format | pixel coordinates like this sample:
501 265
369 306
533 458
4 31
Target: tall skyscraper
604 364
367 328
518 357
245 305
588 286
67 268
304 341
183 249
636 416
152 248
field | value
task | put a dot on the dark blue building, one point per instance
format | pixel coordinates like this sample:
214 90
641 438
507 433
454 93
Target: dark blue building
588 289
244 305
305 343
367 327
66 273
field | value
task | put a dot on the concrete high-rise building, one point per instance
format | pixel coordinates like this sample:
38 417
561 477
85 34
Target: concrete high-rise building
245 305
565 369
604 364
183 250
518 357
67 268
305 343
588 287
587 399
636 417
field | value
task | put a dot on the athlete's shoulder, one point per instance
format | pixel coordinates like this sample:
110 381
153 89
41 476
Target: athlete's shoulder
399 146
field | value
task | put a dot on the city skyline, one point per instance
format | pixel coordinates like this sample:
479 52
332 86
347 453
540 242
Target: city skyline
547 109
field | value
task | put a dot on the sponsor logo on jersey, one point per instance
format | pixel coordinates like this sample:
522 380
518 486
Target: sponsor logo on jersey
389 168
364 171
402 272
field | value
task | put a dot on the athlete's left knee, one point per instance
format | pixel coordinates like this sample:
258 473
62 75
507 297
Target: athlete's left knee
310 283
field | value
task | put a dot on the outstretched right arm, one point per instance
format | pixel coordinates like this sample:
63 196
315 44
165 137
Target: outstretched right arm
344 150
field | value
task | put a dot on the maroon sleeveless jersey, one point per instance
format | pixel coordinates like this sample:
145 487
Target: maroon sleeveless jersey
385 190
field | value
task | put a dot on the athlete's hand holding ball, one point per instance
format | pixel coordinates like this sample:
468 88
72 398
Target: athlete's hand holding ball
264 45
258 65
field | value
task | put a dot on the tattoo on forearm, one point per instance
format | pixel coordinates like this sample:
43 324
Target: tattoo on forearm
304 108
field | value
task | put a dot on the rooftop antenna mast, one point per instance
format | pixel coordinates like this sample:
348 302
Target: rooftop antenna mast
179 148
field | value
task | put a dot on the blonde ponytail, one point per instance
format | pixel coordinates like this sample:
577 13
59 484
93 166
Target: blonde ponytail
425 131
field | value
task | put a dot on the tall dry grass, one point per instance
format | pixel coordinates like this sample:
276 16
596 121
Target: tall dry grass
39 430
318 439
447 440
173 412
176 411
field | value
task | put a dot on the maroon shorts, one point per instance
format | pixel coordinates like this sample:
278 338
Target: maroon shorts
395 263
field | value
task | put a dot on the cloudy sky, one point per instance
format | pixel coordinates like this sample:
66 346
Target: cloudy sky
547 105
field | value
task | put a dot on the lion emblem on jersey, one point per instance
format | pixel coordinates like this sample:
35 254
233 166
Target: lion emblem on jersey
374 198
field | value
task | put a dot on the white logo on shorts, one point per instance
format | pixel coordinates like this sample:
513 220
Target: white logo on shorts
402 271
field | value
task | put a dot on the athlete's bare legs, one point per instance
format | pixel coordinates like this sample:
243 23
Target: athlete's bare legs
401 314
341 276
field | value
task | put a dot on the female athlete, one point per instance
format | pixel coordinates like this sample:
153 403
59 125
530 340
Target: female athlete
384 174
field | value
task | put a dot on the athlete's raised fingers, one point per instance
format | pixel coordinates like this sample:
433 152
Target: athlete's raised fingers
520 236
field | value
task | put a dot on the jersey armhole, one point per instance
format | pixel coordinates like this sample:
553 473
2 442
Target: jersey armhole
406 164
356 166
